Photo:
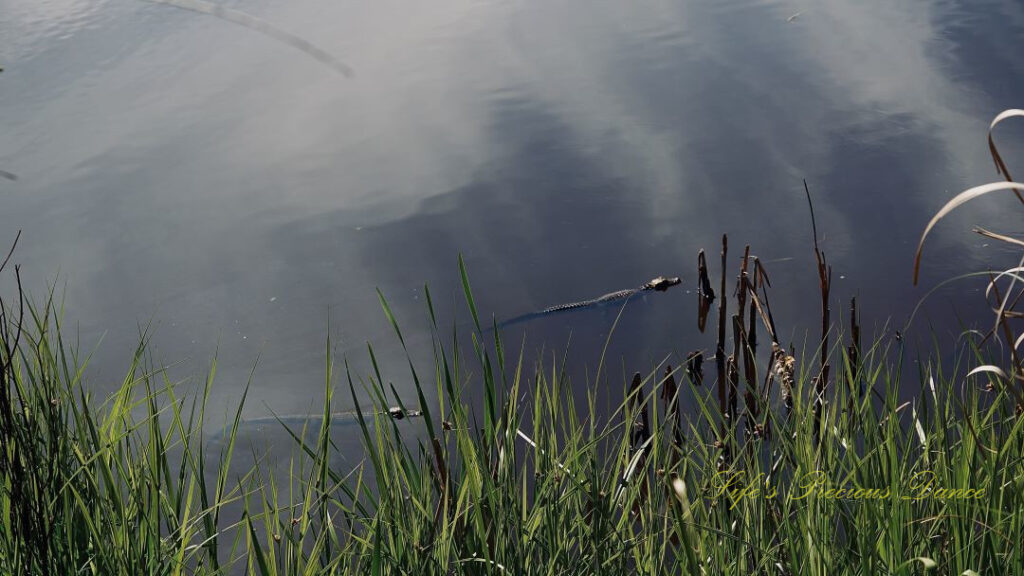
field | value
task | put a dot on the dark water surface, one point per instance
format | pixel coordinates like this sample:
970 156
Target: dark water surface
178 168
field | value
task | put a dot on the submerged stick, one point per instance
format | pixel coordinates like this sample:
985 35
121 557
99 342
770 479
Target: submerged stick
765 311
720 346
640 435
752 323
749 371
695 367
705 294
745 339
726 368
825 284
265 28
670 397
640 427
733 367
854 349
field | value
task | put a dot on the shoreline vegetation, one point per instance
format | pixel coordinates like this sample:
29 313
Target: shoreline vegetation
779 461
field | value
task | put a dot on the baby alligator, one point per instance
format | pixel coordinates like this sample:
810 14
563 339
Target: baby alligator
296 421
659 284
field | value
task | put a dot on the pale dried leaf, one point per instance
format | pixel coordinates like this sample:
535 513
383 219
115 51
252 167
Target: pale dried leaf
1019 340
1000 237
919 428
988 368
959 200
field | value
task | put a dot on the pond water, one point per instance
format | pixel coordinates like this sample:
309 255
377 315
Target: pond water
179 169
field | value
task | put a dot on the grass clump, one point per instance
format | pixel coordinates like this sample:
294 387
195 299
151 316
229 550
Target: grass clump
530 480
825 462
97 488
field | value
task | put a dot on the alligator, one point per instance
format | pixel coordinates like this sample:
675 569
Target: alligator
659 284
296 421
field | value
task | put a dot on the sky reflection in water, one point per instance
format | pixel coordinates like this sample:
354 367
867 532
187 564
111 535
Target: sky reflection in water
177 168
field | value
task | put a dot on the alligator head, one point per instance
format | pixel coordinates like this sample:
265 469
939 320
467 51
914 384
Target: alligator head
662 283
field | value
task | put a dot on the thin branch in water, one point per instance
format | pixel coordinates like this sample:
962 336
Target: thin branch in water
11 251
265 28
720 345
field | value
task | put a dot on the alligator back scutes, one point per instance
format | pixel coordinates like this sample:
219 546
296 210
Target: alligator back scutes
611 297
660 284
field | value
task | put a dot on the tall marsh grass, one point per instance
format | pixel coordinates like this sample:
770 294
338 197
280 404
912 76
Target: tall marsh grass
819 470
525 482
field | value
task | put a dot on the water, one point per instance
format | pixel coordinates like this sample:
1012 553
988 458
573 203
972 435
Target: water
247 200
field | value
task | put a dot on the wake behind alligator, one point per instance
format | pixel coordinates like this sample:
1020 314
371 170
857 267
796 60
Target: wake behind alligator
659 284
